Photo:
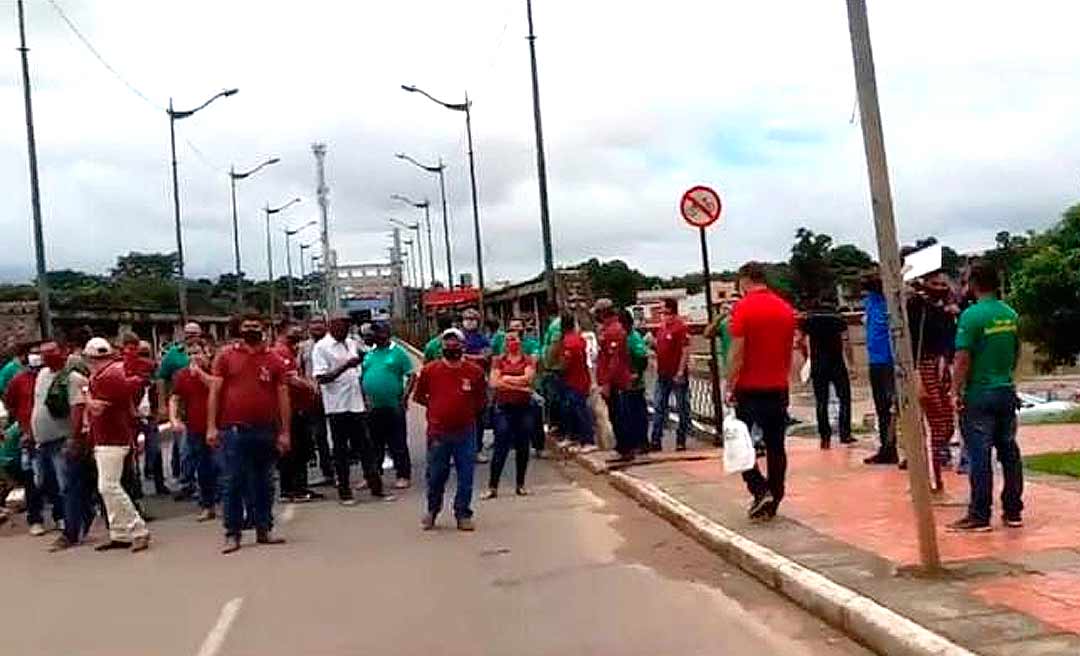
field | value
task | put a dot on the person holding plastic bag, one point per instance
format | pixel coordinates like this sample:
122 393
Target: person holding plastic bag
762 331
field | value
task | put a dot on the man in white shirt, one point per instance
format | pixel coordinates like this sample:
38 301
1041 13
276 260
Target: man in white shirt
336 364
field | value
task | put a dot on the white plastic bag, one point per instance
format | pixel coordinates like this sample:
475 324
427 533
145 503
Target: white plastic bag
739 454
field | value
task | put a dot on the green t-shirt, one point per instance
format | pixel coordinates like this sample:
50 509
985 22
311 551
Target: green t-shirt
530 346
498 342
553 333
8 372
433 349
384 374
639 358
723 342
175 359
988 331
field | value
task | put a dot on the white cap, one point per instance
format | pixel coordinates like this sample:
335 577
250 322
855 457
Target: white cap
98 347
452 332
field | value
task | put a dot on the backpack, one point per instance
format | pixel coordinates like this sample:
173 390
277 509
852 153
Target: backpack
57 400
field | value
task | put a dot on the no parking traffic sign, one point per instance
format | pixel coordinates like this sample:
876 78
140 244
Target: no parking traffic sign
700 206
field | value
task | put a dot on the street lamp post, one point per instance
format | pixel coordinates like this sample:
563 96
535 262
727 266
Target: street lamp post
426 206
303 276
45 314
412 261
415 227
467 108
288 259
541 166
174 116
446 223
233 177
270 253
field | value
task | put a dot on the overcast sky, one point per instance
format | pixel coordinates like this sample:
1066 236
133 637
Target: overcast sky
980 101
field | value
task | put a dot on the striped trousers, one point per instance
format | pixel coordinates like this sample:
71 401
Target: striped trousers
937 406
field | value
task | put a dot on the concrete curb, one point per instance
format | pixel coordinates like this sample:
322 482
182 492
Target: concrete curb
875 626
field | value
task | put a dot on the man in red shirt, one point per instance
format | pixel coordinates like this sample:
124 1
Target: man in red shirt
248 404
672 362
453 391
763 333
293 465
577 382
191 392
114 391
613 375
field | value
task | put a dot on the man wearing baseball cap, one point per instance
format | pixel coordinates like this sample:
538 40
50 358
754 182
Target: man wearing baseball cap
453 391
111 416
477 350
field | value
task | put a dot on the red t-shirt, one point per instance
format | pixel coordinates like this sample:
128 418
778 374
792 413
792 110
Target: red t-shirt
613 364
195 395
301 392
508 368
19 398
115 425
766 324
575 363
250 378
453 396
672 339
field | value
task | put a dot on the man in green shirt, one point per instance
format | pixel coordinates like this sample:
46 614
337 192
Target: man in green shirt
987 350
388 380
175 360
13 366
433 349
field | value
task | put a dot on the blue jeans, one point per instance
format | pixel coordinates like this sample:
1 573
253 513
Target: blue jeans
577 418
990 422
153 466
78 490
661 395
513 429
461 447
47 461
200 459
189 458
248 461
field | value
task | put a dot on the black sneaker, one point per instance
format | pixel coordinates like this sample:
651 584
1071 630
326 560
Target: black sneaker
848 440
826 443
1013 521
969 525
680 447
882 458
759 505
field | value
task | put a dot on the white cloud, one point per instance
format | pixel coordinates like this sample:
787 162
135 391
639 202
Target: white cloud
640 101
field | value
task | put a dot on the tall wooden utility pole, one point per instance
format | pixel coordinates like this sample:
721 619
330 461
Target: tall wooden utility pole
911 427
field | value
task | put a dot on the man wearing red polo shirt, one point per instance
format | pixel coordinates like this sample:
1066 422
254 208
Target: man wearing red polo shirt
248 403
762 331
613 375
672 363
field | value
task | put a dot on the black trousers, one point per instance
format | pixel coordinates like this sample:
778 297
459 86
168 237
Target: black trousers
835 375
317 420
767 409
389 433
883 389
348 432
294 464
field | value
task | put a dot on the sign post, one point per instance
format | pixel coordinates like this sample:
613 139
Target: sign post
700 207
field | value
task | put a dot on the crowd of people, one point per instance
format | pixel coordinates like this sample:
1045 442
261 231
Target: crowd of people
88 419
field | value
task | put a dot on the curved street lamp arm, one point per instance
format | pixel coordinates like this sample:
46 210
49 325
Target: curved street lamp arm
409 201
241 176
429 169
457 107
307 225
179 114
286 205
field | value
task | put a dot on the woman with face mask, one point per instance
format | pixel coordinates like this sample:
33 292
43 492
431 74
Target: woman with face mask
511 378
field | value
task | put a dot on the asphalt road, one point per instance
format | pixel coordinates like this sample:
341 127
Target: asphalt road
574 569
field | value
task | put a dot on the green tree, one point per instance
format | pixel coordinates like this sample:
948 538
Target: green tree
1045 289
147 265
615 279
812 276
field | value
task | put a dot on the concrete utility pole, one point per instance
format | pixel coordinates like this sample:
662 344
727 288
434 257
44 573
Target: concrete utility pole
329 293
541 167
911 426
44 306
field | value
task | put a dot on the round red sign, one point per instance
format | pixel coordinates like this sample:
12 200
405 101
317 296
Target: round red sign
700 206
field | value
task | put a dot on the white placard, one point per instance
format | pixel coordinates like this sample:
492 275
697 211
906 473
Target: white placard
922 262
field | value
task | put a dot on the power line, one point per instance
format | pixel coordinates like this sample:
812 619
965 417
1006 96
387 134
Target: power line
97 55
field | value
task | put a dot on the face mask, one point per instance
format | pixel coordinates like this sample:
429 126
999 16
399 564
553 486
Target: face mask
452 354
513 347
34 360
251 337
469 324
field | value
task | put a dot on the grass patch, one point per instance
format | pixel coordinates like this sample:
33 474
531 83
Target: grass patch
1062 464
1069 417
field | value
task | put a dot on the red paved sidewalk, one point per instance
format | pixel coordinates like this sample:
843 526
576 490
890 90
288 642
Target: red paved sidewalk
1034 570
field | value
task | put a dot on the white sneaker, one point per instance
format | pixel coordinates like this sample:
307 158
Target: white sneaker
60 525
562 444
37 530
590 448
